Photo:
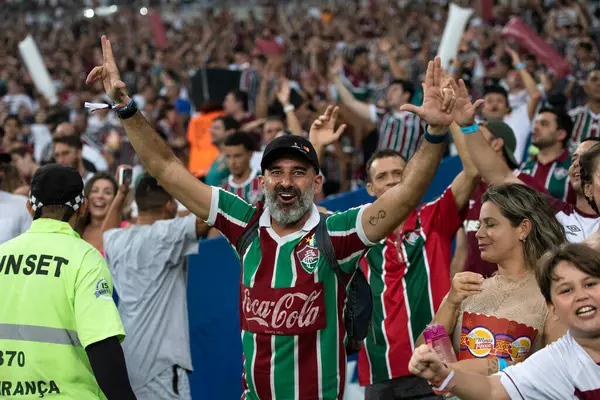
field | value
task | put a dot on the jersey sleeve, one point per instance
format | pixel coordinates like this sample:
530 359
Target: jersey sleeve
229 214
441 216
376 113
96 314
538 377
532 182
348 237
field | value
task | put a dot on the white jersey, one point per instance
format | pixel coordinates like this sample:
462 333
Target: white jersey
560 371
578 224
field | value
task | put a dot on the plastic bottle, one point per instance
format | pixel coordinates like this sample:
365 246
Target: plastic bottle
437 339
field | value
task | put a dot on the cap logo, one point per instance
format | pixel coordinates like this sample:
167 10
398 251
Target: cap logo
303 148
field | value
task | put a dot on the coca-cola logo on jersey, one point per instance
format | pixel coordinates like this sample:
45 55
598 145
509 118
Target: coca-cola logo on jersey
283 311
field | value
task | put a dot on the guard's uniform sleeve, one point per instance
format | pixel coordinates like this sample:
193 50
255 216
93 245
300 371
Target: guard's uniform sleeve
229 214
96 314
348 237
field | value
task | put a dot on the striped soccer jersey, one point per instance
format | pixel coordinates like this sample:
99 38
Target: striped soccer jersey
409 275
357 84
586 124
291 303
248 190
554 176
401 131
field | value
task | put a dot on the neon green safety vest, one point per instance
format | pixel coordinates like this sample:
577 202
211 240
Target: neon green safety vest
56 294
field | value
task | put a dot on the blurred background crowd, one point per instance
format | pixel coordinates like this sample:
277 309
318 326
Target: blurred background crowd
220 79
281 52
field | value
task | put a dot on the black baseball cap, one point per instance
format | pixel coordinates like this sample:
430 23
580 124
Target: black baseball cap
56 184
289 145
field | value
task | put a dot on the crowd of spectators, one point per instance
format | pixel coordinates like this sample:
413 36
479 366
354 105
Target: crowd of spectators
220 84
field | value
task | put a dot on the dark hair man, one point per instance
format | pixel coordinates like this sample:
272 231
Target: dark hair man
398 130
409 272
552 135
220 129
68 151
242 180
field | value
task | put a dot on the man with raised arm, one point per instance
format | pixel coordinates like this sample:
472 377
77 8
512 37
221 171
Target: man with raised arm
291 301
579 220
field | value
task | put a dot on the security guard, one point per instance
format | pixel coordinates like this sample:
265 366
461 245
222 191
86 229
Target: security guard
60 331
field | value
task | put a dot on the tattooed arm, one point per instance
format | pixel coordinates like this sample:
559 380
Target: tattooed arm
389 210
482 366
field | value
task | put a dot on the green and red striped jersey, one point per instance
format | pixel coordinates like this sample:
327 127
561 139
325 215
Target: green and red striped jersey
409 274
586 124
401 131
291 303
554 176
248 190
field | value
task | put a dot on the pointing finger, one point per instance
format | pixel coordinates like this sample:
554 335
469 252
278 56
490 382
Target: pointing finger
108 53
437 69
429 75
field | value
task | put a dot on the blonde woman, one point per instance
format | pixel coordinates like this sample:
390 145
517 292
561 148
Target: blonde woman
501 320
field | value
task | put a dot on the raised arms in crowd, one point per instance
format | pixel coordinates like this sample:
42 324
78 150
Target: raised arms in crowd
535 96
378 219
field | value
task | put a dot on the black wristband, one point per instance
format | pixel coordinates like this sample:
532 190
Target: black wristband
127 111
435 139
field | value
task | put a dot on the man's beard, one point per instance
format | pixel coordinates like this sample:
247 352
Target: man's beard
291 214
543 143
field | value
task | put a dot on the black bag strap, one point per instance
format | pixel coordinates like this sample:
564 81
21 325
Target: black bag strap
247 238
324 244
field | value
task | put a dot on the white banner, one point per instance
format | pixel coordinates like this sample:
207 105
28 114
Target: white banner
37 69
455 27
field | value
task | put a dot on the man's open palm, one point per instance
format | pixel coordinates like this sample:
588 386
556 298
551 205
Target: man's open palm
464 110
109 74
437 103
322 131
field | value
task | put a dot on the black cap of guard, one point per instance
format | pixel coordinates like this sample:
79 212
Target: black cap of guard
56 184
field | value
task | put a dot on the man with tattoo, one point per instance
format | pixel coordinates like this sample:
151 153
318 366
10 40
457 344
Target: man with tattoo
291 301
409 270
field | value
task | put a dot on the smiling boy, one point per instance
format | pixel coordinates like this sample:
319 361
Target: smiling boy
569 278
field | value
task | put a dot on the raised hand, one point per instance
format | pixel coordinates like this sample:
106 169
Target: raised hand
283 92
109 74
322 130
438 102
464 110
384 45
513 55
427 364
336 69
